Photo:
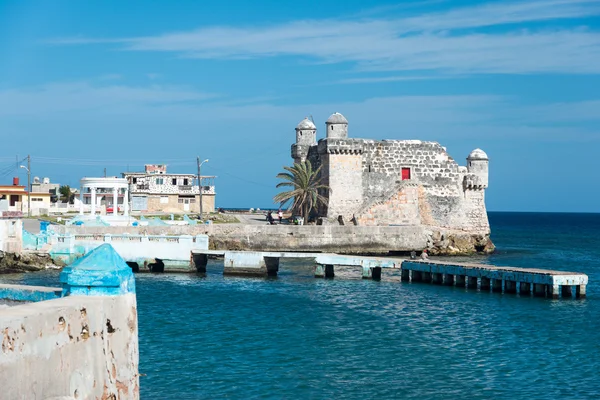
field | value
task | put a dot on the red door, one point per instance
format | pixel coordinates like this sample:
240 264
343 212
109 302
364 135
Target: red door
405 174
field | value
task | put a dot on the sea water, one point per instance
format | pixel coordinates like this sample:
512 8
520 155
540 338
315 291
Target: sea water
296 336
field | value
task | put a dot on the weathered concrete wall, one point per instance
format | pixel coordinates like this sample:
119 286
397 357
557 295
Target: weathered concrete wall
170 203
326 238
11 235
79 346
140 249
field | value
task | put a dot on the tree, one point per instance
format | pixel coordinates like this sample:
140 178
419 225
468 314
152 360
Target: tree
305 185
65 192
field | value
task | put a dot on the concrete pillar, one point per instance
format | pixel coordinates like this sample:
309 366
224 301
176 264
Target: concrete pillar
580 291
539 290
567 291
272 264
485 284
448 279
200 261
329 271
319 271
126 202
510 287
115 201
472 282
525 288
554 291
405 275
497 285
436 278
459 280
376 273
81 200
112 313
93 201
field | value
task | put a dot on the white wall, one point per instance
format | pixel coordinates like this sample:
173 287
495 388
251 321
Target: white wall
83 347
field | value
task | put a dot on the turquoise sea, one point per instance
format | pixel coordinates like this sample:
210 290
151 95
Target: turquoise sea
300 337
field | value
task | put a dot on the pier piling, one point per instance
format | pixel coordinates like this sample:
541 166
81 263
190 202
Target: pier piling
448 279
405 275
567 291
525 288
539 290
510 287
472 282
497 285
416 276
484 284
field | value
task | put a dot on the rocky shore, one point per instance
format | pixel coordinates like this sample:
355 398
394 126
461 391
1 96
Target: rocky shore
26 262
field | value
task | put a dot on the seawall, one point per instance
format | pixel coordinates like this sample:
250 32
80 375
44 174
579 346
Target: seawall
325 238
75 342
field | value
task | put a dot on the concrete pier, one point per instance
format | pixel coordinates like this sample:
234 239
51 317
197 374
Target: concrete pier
545 283
555 284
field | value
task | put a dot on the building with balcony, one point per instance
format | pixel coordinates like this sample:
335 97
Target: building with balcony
154 190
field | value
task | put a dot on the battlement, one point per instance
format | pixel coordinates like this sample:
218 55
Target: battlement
340 146
474 182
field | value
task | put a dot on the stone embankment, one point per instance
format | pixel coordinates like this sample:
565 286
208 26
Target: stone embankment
26 262
313 238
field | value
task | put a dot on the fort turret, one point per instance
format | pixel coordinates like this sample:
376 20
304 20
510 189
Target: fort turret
337 126
306 136
478 165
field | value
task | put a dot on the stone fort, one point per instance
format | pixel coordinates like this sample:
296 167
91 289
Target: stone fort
396 182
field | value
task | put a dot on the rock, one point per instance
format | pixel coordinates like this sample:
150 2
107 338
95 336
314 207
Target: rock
27 262
459 243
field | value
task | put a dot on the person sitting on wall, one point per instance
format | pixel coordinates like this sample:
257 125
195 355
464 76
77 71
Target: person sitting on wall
413 255
280 215
424 255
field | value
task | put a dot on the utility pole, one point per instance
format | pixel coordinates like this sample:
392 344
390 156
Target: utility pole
29 185
28 168
199 184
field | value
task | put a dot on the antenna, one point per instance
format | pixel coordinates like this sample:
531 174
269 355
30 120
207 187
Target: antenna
311 118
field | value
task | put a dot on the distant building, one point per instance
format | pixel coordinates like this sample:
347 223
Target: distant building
157 191
15 198
44 186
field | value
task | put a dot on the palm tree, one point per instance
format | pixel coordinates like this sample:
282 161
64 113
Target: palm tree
305 183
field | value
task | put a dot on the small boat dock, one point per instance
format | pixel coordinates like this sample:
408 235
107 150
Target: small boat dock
510 280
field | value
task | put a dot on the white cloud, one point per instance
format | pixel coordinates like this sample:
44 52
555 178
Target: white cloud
438 117
450 41
71 97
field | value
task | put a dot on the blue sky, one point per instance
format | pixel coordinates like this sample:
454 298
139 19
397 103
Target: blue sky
110 84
